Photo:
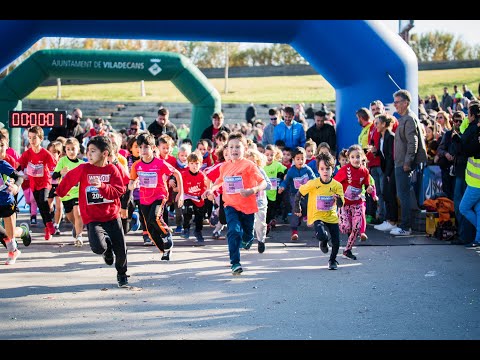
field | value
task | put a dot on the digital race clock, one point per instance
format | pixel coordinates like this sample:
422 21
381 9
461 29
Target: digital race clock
26 119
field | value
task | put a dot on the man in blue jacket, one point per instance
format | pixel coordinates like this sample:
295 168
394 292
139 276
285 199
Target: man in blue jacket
289 131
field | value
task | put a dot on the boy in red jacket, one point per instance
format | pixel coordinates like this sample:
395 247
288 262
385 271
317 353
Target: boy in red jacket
101 186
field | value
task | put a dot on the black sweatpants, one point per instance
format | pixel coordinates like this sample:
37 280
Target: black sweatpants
96 237
156 226
333 230
190 209
41 197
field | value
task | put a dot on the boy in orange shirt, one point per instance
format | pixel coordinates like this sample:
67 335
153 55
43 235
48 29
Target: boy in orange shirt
241 180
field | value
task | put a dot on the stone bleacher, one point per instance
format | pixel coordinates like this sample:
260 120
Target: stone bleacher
120 113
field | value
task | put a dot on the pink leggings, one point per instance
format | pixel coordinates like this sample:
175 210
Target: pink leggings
30 200
351 222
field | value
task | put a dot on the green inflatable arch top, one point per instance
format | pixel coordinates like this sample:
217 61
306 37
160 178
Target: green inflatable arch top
111 65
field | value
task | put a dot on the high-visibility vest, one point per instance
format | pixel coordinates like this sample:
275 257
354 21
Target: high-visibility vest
472 172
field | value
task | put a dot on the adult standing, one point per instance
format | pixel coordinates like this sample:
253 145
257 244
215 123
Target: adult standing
466 231
268 131
321 132
447 100
409 151
470 204
162 125
217 126
289 131
251 113
73 128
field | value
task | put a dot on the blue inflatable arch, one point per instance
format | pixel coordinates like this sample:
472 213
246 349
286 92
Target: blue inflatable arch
354 56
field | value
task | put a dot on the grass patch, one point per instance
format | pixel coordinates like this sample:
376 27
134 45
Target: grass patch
260 90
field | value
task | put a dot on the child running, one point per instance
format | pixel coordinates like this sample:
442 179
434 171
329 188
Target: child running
70 201
101 186
241 180
352 176
152 174
324 195
38 163
8 207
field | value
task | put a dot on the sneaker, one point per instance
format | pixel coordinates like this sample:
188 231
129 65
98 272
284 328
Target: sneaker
122 280
332 264
348 254
400 232
294 236
33 220
206 222
26 237
135 221
216 235
57 230
12 257
237 269
168 249
247 245
473 244
363 237
147 241
178 230
385 226
199 236
78 242
369 219
108 256
48 235
186 234
261 247
324 246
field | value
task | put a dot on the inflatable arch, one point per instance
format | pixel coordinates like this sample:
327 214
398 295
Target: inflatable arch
359 58
113 65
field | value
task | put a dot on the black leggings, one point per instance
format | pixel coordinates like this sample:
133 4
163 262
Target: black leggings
96 237
41 197
333 231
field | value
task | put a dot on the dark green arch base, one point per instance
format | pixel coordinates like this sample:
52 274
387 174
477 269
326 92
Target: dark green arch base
111 65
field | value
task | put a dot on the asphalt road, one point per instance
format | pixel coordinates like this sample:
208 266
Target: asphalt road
415 288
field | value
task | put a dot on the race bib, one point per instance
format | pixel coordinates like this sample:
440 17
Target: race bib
233 184
353 193
260 194
325 203
35 170
94 197
274 182
148 179
299 181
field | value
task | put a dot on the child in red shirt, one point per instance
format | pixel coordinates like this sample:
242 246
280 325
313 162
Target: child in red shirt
38 164
352 176
101 186
194 185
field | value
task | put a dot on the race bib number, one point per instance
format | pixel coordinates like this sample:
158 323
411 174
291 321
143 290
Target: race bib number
233 184
94 197
353 193
260 194
148 179
35 170
274 182
325 203
299 181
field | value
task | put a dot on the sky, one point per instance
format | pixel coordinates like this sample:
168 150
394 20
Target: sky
467 30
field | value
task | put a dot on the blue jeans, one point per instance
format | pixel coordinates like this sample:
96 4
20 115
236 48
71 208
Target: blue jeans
466 231
470 208
402 180
377 175
240 227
